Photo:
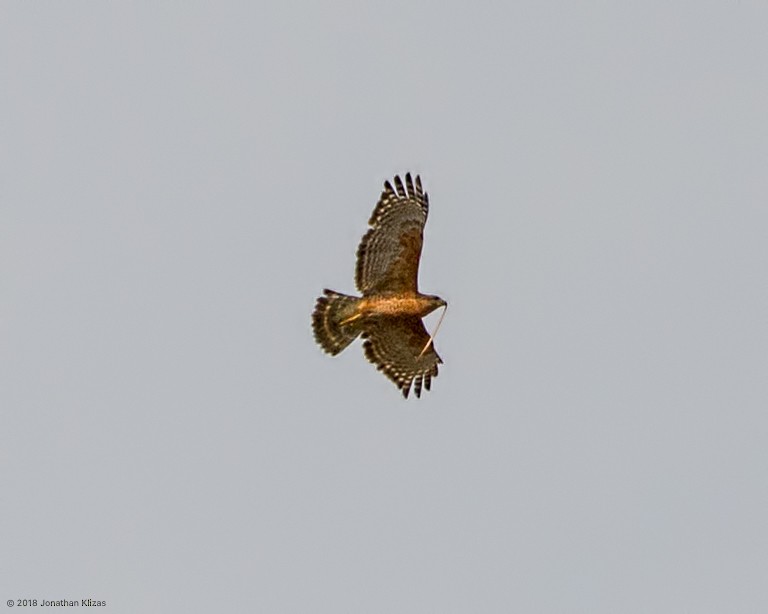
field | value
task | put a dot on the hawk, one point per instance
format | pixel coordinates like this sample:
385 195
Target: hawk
388 315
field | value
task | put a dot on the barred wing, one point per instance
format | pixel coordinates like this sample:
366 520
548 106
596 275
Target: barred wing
389 253
394 345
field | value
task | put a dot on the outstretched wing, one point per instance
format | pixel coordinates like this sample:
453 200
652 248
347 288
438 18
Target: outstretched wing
394 345
388 255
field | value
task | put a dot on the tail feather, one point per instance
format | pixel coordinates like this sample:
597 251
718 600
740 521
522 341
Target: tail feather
330 311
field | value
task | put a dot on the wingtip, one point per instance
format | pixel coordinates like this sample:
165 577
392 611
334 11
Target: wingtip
399 186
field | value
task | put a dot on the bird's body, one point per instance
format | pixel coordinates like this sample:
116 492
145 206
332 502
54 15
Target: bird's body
388 315
418 305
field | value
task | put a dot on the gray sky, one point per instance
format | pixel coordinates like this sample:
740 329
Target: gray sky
180 181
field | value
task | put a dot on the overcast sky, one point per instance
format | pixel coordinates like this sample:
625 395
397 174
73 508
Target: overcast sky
180 180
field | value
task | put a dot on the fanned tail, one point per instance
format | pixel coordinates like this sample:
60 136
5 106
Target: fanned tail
333 321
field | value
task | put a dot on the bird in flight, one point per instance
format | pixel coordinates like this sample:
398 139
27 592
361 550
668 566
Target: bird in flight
388 315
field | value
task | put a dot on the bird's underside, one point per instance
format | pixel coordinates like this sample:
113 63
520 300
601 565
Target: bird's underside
388 314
